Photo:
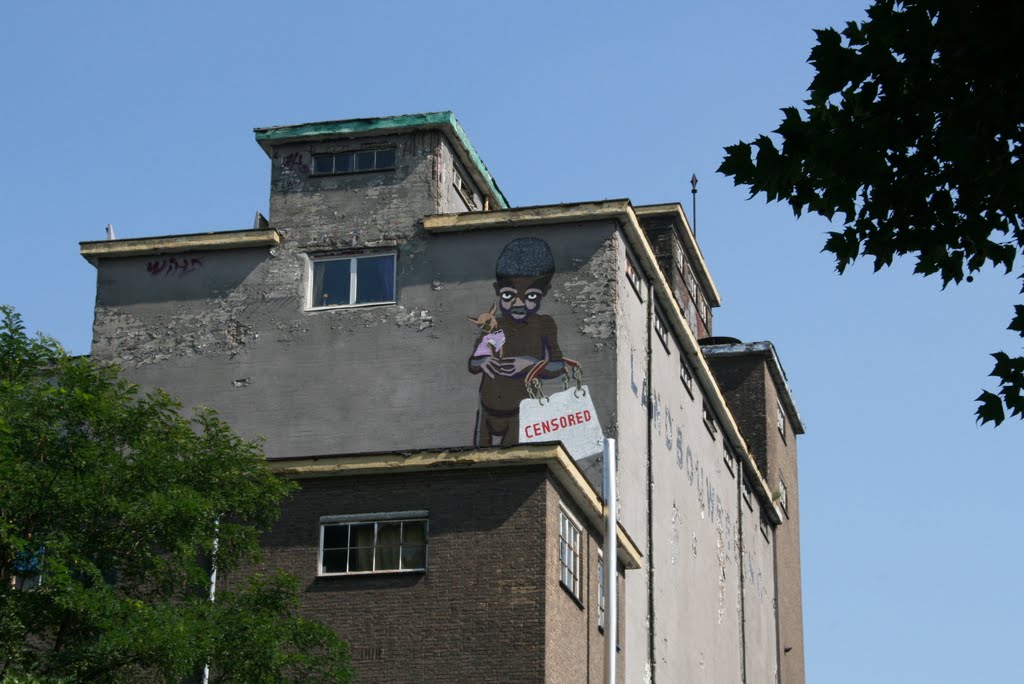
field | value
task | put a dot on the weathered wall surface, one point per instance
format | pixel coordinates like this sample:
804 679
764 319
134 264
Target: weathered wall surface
575 645
695 533
753 398
631 313
759 624
233 333
398 624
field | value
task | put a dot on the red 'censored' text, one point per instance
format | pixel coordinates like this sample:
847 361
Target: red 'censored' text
556 424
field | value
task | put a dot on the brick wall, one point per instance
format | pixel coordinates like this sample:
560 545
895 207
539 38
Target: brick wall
476 614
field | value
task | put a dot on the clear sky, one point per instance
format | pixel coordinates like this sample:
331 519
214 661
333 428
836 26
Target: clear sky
140 114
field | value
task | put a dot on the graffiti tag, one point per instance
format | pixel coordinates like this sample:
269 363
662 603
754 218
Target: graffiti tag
174 265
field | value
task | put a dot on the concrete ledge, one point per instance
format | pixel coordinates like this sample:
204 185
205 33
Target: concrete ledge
558 461
132 247
611 210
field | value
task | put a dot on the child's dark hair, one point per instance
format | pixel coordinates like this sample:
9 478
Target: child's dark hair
526 258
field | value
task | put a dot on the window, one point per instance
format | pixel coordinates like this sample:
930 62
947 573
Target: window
729 460
783 496
661 328
709 418
780 419
569 553
691 283
686 375
464 190
375 543
353 162
28 569
600 591
352 280
633 276
764 530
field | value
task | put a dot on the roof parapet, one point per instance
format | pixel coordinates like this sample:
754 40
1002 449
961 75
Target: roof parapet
94 250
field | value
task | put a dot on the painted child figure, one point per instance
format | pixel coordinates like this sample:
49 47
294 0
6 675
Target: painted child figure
514 342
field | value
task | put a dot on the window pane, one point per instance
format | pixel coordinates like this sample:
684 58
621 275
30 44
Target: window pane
335 536
362 534
385 159
415 532
375 279
414 557
322 163
331 282
387 558
334 561
364 161
389 534
360 560
343 163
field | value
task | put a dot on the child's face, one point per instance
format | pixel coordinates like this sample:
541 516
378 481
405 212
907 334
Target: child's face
519 298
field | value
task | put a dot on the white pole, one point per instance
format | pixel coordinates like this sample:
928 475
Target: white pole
213 583
611 562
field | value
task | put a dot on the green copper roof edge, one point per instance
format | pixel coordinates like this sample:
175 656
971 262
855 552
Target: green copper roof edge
270 134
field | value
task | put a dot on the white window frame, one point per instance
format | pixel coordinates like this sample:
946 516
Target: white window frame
353 279
686 375
780 419
465 190
661 328
570 563
376 518
710 422
783 496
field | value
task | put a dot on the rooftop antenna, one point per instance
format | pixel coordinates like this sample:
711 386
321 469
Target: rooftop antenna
110 231
693 189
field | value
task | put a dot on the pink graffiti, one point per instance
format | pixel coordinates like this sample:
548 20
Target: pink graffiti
172 265
295 162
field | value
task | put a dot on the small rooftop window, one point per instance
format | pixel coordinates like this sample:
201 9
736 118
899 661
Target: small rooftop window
353 162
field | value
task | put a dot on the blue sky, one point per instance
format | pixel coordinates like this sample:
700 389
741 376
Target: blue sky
140 114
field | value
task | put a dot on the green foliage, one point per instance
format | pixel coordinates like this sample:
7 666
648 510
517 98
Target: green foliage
110 502
911 137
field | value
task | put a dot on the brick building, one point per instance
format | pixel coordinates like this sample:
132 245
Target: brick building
404 339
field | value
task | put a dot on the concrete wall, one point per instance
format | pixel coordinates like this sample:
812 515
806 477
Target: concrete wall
759 620
632 429
695 533
233 333
467 618
753 398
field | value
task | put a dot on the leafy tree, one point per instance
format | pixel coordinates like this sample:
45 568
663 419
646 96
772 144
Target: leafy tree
110 502
912 138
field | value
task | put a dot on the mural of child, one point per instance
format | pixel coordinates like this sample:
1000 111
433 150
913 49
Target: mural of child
513 342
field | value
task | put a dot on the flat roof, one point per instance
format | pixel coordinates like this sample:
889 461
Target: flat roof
552 455
343 128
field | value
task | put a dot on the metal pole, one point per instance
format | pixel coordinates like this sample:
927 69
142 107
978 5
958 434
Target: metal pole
611 562
213 583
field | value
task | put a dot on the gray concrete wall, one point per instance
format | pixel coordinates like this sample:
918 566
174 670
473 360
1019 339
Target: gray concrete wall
760 632
234 334
695 534
631 314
